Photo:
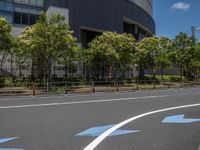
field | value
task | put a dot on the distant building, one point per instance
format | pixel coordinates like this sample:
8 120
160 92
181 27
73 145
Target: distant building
87 18
21 13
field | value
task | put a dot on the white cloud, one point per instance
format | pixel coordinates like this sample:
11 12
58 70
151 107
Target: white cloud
181 6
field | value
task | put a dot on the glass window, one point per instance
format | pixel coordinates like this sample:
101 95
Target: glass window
18 9
28 10
2 5
33 2
33 11
9 6
25 19
40 2
17 18
17 1
25 10
38 12
7 16
25 1
32 19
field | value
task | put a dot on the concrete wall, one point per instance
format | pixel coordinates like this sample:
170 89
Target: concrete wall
63 11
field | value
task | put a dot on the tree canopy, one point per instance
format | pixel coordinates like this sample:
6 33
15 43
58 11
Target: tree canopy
47 42
110 50
5 39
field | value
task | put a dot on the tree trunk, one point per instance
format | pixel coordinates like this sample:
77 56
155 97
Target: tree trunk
161 74
124 72
66 75
49 69
110 72
141 72
2 60
154 77
32 70
20 74
181 73
103 71
70 68
49 73
133 71
11 66
85 70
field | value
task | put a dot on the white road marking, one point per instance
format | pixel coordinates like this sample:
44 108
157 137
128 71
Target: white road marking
94 101
63 95
104 135
83 102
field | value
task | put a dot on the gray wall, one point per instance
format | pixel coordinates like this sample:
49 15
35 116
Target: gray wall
105 15
147 5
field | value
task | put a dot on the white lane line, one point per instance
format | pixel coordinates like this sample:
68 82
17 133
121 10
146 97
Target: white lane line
83 102
93 101
62 96
104 135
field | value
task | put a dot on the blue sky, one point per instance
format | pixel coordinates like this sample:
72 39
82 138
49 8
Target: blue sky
174 16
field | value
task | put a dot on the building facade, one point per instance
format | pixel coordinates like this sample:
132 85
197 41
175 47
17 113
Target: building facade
21 13
87 18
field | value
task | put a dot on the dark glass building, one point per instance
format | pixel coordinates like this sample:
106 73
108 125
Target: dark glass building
87 18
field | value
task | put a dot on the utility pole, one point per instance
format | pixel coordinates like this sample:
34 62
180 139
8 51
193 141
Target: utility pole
193 31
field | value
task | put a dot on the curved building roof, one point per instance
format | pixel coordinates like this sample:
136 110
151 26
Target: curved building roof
147 5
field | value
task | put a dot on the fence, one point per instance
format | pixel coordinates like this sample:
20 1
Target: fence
65 88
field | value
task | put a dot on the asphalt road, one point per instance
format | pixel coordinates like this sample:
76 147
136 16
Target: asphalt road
133 121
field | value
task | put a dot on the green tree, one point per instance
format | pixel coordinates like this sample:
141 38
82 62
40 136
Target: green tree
86 58
21 55
110 50
25 49
69 51
181 54
195 61
5 40
149 52
163 60
126 48
48 42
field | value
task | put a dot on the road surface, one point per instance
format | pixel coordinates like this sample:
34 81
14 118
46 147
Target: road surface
151 120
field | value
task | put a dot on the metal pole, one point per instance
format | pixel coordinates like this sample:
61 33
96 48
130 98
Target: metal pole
47 87
193 31
181 84
137 84
192 84
33 89
93 87
154 84
117 86
168 86
66 92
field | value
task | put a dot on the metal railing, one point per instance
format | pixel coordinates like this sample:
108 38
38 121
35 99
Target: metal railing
65 88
